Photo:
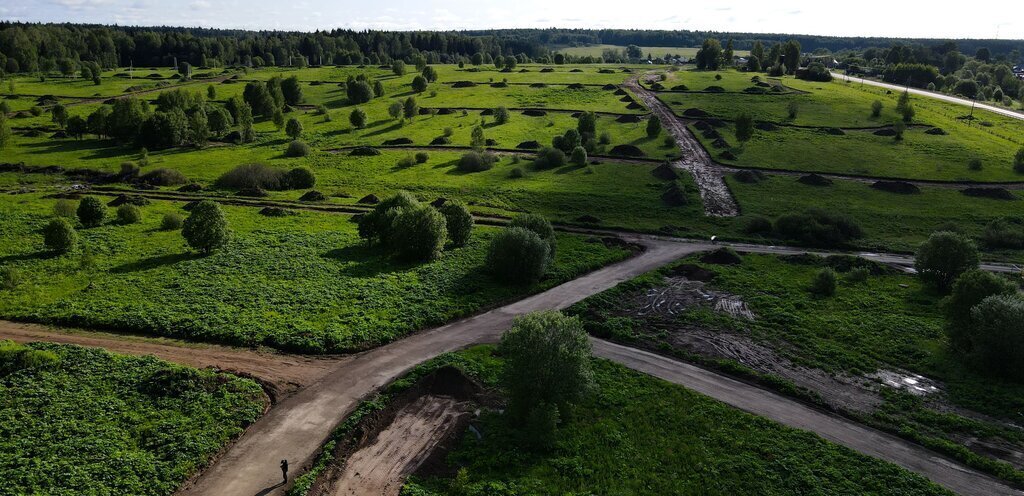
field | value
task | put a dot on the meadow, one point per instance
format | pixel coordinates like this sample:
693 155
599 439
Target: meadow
302 282
92 422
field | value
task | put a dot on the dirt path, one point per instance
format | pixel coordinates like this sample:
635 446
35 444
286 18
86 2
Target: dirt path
382 466
718 200
282 374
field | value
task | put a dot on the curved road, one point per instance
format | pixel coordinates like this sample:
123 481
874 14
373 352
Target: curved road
933 94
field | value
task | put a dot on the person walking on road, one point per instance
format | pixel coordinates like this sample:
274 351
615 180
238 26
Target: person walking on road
284 471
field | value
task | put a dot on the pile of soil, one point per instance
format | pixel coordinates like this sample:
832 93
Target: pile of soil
424 111
626 98
576 70
59 135
490 142
534 113
487 112
276 212
232 137
364 151
994 193
439 202
711 134
588 219
538 85
628 119
665 172
815 180
463 84
606 71
885 132
499 84
749 176
692 272
576 86
720 143
727 155
397 141
620 91
702 125
609 86
680 87
675 195
766 126
715 89
695 112
627 150
722 256
634 106
547 69
900 187
576 115
937 131
445 111
756 90
252 192
528 145
834 131
370 199
136 200
441 140
313 196
716 122
191 188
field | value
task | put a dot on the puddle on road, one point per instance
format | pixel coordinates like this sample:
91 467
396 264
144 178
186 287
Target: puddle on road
912 383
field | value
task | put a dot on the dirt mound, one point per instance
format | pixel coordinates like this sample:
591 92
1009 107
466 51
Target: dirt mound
487 112
620 91
666 172
313 196
702 125
439 202
692 272
136 200
576 115
370 199
609 86
252 192
885 132
900 187
727 155
445 111
714 89
534 113
749 176
499 84
675 195
695 112
634 106
59 135
834 131
463 84
528 145
441 140
815 180
576 86
716 122
628 119
626 98
397 141
766 126
424 111
191 188
720 143
548 69
538 85
994 193
722 256
680 87
937 131
364 151
627 150
276 212
588 219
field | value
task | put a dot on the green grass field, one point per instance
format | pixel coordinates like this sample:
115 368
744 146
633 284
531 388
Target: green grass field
304 282
99 423
888 322
639 435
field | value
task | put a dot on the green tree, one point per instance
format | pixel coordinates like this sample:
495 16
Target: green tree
376 226
791 54
540 226
5 132
757 51
709 57
291 89
206 228
419 84
395 110
357 118
247 133
423 232
91 211
410 108
876 108
792 109
199 128
98 121
59 115
744 127
129 214
430 74
293 128
578 156
586 123
824 282
899 127
998 336
969 290
653 126
60 236
398 67
477 139
278 119
753 64
359 92
211 92
943 257
458 221
501 115
517 255
1018 158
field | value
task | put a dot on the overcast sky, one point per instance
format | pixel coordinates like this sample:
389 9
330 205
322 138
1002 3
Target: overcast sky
893 18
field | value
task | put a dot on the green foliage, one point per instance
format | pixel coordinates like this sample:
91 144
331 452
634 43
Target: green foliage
410 108
5 132
10 277
60 236
824 282
171 222
501 115
206 229
376 226
540 226
744 127
297 148
876 108
943 257
1018 160
517 255
818 228
293 128
997 336
422 157
423 233
91 211
300 178
458 221
549 158
653 126
292 90
65 208
473 161
80 420
969 289
579 156
129 214
357 118
419 84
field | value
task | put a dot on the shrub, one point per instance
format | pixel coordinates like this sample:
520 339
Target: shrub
423 233
357 118
458 221
293 128
824 282
943 257
538 225
164 177
171 222
10 277
859 274
549 158
129 214
501 115
968 290
818 228
474 161
758 225
518 255
65 208
516 173
974 164
300 178
579 156
376 226
206 229
1004 232
1018 161
59 236
998 336
91 211
250 176
405 162
297 148
422 157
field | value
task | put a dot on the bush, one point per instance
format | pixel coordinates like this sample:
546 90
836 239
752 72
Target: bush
474 161
518 255
251 176
758 225
549 158
91 211
376 226
859 274
1004 232
968 290
293 128
171 222
65 208
206 229
422 157
538 225
59 236
458 221
300 178
516 173
164 177
129 214
297 148
824 282
579 156
405 162
423 233
998 336
10 277
1018 161
818 228
943 257
974 164
501 115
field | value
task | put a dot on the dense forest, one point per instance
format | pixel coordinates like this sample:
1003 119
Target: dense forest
43 47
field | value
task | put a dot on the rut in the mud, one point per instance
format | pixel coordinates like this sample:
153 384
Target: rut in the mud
718 200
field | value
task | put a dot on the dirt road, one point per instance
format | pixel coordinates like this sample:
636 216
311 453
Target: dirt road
718 200
932 94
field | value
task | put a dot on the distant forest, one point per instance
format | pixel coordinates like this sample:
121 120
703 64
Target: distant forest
43 47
